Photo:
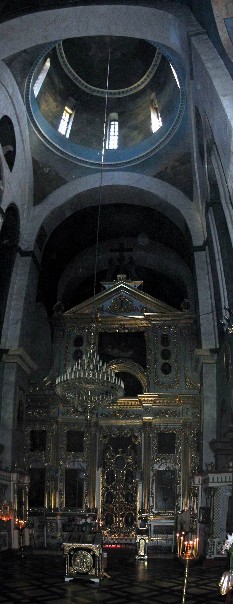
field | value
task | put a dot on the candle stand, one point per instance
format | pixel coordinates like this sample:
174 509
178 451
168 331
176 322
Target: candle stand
20 526
187 552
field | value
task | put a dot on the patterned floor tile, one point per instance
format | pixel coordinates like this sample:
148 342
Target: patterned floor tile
39 579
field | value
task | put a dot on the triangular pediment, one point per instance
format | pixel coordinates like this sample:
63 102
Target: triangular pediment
122 298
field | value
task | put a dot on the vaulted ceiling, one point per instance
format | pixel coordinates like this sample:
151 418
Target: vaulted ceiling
121 237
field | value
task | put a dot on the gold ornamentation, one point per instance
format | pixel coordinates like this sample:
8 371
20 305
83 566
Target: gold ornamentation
122 304
130 367
190 383
172 380
119 485
82 561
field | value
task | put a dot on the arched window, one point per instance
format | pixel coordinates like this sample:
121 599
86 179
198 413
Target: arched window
156 120
67 118
8 140
41 77
112 131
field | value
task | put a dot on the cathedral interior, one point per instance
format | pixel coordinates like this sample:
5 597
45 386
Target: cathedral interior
116 290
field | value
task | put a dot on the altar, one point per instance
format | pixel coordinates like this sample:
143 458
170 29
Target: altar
83 557
162 531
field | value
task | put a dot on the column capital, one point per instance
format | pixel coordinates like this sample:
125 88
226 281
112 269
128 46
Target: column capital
204 356
21 358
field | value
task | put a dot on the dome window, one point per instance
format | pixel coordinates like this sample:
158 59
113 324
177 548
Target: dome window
156 121
175 75
67 118
41 77
112 131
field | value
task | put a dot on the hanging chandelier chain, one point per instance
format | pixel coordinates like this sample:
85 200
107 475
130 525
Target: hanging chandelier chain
101 173
90 384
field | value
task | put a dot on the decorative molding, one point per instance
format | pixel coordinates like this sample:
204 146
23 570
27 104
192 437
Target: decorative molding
101 91
21 358
204 356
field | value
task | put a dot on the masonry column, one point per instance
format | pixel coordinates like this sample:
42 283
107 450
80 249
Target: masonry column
146 463
207 314
16 363
206 365
185 470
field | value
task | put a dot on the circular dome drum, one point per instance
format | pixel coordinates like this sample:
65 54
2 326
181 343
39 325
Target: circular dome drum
120 91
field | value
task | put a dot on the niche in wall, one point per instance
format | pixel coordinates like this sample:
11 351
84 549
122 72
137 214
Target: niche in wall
8 140
74 489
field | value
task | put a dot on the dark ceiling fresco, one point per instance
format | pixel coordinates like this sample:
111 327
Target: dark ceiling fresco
89 57
100 76
142 226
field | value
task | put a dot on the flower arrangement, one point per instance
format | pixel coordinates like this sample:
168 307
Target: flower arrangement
228 545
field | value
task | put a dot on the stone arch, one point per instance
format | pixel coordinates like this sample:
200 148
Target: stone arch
14 142
173 266
219 223
223 12
122 366
145 190
129 21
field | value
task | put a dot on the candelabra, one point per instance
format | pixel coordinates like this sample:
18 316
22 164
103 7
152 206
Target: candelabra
20 526
6 512
187 551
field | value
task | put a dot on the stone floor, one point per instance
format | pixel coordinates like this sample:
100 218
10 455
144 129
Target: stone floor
38 578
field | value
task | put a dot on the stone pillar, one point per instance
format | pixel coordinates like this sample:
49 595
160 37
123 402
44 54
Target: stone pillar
146 463
17 368
20 303
16 345
206 365
207 315
185 471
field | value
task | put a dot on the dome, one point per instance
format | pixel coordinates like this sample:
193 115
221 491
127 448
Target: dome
123 90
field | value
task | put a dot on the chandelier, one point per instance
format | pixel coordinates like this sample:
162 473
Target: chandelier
90 384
